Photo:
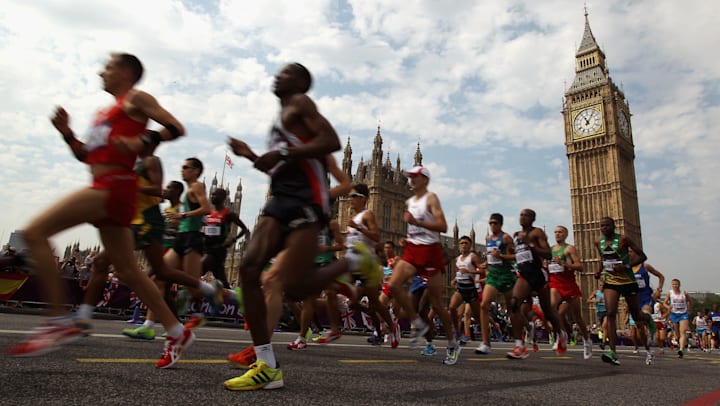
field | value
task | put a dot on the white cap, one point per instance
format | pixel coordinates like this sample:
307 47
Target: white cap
418 170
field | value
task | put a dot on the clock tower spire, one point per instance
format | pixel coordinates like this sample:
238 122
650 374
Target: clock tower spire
601 155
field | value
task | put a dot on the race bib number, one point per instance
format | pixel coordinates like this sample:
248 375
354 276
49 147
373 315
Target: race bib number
523 256
609 266
555 268
641 283
492 260
212 231
97 136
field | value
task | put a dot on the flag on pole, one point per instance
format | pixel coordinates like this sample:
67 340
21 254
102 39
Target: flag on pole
228 161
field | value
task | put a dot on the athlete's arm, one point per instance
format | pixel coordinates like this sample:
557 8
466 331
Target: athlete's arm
344 183
61 122
661 279
639 256
598 272
541 246
233 217
150 107
155 176
592 297
574 263
371 229
240 148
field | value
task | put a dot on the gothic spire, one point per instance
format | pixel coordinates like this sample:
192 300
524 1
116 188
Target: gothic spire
347 159
588 42
377 149
418 156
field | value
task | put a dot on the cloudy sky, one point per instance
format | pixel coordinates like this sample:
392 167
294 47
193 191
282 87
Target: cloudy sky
479 84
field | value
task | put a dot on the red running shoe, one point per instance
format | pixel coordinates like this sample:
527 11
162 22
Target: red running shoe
329 337
518 352
244 358
45 340
174 348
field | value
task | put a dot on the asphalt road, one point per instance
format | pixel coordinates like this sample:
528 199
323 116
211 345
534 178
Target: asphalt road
110 369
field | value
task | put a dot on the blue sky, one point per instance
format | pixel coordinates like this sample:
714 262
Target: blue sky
479 84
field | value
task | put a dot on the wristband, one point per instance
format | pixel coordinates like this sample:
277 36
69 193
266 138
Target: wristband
174 132
150 137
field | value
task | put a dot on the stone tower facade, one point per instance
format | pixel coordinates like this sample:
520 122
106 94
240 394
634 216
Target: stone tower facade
388 189
601 154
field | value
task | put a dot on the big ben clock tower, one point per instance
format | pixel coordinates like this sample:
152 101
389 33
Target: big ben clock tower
601 154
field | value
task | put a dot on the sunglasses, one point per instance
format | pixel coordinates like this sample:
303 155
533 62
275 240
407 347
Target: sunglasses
356 194
493 222
187 167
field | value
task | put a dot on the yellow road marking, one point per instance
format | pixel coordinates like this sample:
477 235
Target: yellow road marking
377 361
147 361
556 357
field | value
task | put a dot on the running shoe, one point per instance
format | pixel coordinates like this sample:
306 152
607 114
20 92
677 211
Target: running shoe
562 343
140 333
587 349
555 346
369 268
429 350
452 354
244 358
84 325
482 349
259 376
535 347
296 345
46 339
419 332
518 352
661 352
463 340
308 334
195 322
611 357
395 336
649 358
635 351
680 353
329 337
174 346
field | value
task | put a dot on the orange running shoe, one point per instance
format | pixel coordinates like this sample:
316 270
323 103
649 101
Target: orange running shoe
244 358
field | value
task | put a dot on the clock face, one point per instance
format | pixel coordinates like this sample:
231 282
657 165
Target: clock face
623 124
587 122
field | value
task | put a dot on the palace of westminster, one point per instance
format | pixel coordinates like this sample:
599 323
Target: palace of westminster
600 151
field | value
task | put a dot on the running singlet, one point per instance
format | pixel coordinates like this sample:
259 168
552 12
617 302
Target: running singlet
611 255
642 278
298 181
559 272
464 264
144 201
715 320
700 323
497 264
678 302
108 124
188 224
419 235
216 227
354 235
525 258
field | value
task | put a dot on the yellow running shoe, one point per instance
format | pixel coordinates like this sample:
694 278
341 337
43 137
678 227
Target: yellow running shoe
259 376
